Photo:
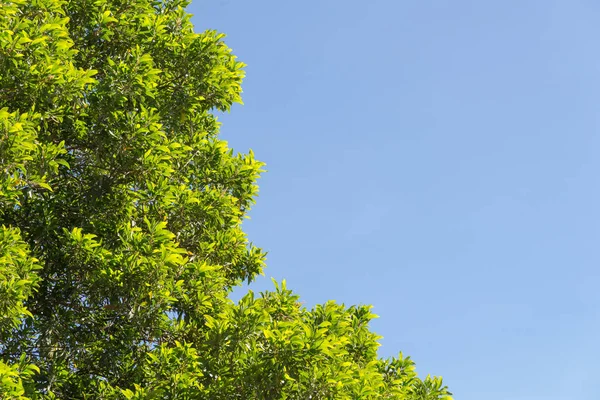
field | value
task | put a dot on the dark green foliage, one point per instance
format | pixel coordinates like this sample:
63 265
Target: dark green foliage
120 225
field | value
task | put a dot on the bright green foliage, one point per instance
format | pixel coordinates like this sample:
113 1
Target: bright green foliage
120 225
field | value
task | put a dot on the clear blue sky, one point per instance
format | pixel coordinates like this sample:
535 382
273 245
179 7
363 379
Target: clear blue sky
439 160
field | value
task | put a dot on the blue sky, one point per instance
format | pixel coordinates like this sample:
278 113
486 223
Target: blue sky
438 160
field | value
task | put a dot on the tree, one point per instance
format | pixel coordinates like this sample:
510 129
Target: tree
121 213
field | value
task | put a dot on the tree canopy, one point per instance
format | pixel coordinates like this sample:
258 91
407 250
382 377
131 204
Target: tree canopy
121 216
